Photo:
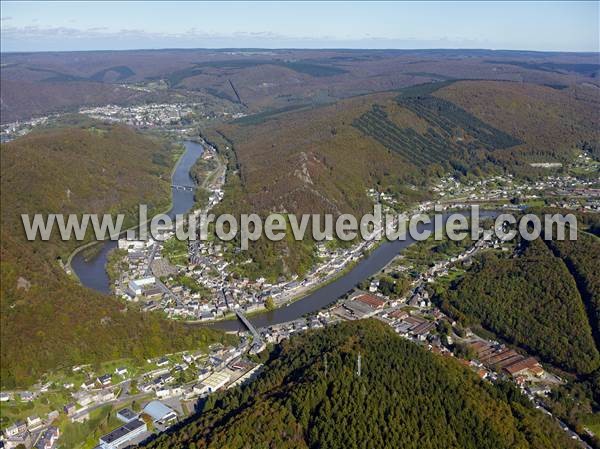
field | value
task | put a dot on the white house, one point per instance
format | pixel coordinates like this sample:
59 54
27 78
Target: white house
33 422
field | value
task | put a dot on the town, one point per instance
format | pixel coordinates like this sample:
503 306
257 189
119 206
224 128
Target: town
194 282
151 398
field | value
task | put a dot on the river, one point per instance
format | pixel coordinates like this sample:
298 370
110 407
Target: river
92 272
328 294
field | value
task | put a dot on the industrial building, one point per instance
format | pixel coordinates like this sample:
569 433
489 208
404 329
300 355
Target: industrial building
123 435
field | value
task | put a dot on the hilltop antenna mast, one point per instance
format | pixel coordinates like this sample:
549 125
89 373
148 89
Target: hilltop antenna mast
358 365
325 364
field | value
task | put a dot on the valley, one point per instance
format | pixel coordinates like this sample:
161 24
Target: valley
499 338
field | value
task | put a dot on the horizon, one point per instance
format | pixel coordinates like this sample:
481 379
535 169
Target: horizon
570 27
278 49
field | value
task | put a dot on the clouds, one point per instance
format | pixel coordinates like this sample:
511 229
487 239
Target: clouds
143 25
39 33
39 38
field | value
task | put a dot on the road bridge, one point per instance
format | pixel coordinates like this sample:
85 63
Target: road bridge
181 187
257 344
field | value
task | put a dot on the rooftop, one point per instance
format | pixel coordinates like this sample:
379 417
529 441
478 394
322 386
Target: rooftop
216 380
127 413
158 411
371 300
120 432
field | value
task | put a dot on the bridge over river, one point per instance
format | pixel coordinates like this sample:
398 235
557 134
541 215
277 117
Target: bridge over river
375 261
257 344
180 187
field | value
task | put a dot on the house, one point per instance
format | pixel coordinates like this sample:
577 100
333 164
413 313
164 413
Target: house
88 384
374 286
52 415
216 362
122 371
162 361
4 397
137 286
33 422
163 379
423 329
48 438
201 389
15 429
85 399
19 440
160 413
127 415
203 374
104 380
27 396
122 435
105 395
69 409
147 387
149 306
169 392
131 245
152 292
399 314
80 416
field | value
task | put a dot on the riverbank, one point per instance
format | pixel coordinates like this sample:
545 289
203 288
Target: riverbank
68 265
92 273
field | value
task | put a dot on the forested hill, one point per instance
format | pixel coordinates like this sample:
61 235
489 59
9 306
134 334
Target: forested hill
324 159
47 319
85 167
310 396
532 301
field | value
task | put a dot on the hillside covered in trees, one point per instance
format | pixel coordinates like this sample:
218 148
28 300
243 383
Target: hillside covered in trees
546 301
49 320
309 395
531 301
582 258
325 158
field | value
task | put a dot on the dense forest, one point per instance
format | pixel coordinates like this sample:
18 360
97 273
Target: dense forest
550 123
539 301
309 395
531 301
582 258
48 320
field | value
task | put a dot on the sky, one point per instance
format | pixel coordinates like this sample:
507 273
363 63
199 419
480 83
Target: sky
71 25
